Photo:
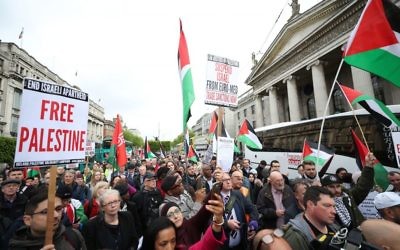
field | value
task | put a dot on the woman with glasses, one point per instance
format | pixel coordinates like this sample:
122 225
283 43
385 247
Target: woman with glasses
112 229
172 231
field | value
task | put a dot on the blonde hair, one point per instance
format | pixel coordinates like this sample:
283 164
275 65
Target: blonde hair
99 185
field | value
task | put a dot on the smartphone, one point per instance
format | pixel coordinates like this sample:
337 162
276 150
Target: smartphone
216 189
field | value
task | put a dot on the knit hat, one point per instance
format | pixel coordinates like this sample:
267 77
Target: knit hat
122 188
168 182
148 175
166 207
386 199
329 179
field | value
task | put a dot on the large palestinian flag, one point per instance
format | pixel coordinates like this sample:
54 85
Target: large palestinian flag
310 153
380 173
192 155
374 43
248 136
185 72
376 108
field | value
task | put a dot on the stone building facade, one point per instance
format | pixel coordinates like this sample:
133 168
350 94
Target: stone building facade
15 64
293 78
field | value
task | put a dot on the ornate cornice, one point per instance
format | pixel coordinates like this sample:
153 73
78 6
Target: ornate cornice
340 26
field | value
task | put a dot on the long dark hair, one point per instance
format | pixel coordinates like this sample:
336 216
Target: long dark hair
150 235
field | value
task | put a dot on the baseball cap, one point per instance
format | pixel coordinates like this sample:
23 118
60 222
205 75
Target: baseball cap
329 179
148 175
9 181
64 192
386 199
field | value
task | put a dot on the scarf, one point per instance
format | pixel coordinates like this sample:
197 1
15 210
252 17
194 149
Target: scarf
342 211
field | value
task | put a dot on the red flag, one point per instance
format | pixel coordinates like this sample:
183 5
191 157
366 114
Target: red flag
119 142
213 124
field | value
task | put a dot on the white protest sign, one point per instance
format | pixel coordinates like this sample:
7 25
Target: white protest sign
52 125
222 81
367 207
396 143
90 149
225 153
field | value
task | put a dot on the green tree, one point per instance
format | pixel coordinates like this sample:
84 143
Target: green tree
136 140
179 139
7 150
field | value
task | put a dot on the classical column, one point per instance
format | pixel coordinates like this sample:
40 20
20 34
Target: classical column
362 81
259 111
293 98
319 84
273 105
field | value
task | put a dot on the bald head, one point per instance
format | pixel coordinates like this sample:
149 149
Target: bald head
381 233
276 180
237 179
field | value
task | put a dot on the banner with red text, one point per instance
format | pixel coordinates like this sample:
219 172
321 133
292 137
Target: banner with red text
222 81
52 125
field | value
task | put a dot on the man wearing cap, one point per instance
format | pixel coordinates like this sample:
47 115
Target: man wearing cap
346 202
148 200
130 175
175 192
388 205
12 204
73 208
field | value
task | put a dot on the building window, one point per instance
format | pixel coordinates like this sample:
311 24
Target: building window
338 101
238 116
17 98
311 108
378 89
254 124
14 125
1 64
245 112
253 109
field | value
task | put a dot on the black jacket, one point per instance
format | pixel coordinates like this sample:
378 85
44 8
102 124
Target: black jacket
100 235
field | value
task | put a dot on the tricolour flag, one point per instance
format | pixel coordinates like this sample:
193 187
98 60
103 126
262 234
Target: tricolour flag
376 108
186 77
32 172
147 150
248 136
310 153
380 173
192 155
374 43
118 144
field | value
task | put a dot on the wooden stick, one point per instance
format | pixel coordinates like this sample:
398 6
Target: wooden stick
50 205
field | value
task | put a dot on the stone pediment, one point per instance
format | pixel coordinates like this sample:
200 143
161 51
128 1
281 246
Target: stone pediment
296 32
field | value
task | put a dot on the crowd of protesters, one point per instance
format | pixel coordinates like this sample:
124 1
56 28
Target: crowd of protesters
173 204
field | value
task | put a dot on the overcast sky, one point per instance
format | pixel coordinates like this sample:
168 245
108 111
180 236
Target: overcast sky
125 51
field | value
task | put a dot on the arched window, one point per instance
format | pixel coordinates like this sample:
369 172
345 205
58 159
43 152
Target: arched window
338 101
311 108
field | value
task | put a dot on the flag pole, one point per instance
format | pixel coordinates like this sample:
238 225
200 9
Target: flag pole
355 116
327 106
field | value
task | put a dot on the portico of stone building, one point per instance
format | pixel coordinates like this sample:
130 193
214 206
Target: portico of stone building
303 94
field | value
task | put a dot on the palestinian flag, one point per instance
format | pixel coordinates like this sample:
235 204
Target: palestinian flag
32 172
186 142
147 150
376 108
374 43
213 124
186 77
192 155
380 173
118 150
162 151
248 136
310 153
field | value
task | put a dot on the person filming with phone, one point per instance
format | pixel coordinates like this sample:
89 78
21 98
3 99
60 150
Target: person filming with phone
236 228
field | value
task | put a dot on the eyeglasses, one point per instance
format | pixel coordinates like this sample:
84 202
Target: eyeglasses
173 213
58 209
111 203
